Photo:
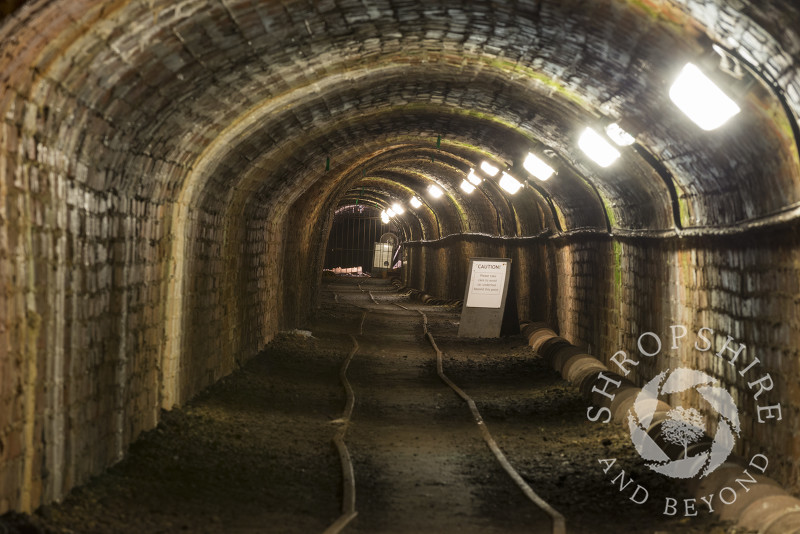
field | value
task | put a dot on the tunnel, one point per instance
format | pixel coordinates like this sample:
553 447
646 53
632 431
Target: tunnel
193 187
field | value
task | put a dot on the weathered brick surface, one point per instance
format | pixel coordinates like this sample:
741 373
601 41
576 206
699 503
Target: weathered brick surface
164 204
610 292
83 319
440 268
603 294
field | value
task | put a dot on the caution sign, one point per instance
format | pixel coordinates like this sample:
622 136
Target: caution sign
485 297
486 284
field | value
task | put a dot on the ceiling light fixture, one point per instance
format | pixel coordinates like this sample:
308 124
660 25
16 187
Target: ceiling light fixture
467 187
415 202
398 208
622 138
597 148
701 100
510 184
385 217
474 178
390 212
435 191
489 169
538 168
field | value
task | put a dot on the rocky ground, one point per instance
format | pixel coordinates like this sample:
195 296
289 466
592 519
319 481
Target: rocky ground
253 453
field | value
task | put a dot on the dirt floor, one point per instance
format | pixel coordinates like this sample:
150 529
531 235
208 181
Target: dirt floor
253 453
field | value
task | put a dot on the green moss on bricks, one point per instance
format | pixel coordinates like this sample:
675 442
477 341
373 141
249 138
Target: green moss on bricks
513 67
646 6
505 65
561 219
617 268
461 213
612 218
780 122
659 12
683 209
471 113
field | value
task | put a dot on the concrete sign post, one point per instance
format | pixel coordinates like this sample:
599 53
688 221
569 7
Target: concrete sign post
485 297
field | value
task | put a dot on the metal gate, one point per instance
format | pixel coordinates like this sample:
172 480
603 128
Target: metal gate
355 241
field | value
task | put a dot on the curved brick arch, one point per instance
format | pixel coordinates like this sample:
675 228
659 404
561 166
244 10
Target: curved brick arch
162 171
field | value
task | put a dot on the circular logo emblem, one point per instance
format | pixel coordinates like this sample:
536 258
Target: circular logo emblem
683 427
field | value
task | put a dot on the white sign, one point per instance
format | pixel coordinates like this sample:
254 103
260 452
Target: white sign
486 284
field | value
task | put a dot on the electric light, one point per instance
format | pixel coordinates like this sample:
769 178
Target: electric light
622 138
474 178
385 217
597 148
390 212
415 202
435 191
489 169
510 184
397 208
702 101
467 187
538 168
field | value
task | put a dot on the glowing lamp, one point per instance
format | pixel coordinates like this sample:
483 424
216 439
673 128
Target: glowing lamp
702 101
435 191
489 169
538 168
510 184
474 178
622 138
597 148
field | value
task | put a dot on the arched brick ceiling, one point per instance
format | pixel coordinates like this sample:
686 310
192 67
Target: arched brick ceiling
163 168
240 101
413 167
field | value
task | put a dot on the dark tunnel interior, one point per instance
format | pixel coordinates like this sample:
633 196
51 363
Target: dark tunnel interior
182 178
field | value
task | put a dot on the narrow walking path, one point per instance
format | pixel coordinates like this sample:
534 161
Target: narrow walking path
420 462
254 453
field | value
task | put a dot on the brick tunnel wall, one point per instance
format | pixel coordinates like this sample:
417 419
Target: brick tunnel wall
606 292
85 328
441 267
744 287
121 300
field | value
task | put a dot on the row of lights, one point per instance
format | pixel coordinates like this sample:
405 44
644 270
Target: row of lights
692 92
388 213
590 142
507 182
397 208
